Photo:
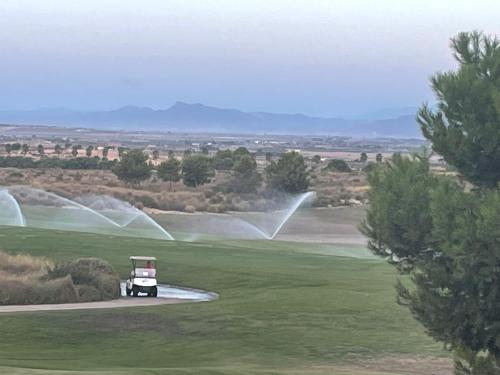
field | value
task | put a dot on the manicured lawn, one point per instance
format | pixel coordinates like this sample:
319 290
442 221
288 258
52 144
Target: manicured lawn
283 308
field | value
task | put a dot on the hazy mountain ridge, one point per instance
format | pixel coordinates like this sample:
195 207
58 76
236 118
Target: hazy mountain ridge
198 117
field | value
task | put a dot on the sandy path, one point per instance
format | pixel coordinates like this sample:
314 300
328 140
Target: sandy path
121 302
167 295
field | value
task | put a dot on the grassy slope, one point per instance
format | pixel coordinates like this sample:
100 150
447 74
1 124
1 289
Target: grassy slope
279 309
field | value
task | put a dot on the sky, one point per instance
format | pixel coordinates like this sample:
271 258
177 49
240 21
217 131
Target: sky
336 58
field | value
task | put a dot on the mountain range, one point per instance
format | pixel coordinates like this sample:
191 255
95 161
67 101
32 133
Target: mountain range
184 117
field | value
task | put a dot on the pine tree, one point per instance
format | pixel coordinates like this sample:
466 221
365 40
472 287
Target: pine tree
196 170
245 179
289 174
133 167
465 127
170 170
436 227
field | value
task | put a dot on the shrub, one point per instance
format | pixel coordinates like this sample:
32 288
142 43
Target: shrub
147 201
20 265
15 291
87 274
28 280
338 165
190 209
215 208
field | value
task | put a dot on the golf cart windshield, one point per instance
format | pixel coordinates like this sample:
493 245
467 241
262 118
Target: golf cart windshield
145 272
144 266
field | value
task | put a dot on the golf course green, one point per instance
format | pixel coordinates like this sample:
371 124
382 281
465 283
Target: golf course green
284 308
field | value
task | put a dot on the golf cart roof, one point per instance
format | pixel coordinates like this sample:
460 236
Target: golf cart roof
142 258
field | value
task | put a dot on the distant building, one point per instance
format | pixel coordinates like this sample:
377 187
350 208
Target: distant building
113 154
97 152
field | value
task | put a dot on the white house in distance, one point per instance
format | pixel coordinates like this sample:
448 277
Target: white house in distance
99 152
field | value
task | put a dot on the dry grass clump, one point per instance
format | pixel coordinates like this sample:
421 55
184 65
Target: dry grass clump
25 279
94 279
24 265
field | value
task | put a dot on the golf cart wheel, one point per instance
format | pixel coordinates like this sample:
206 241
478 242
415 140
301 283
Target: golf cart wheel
135 291
128 291
154 292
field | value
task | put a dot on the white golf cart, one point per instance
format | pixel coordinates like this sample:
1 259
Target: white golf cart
142 278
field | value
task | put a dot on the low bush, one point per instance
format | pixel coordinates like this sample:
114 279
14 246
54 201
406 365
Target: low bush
29 280
87 274
23 265
15 291
147 201
190 209
338 165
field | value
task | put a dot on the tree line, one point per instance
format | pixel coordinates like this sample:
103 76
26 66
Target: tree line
289 174
75 163
58 149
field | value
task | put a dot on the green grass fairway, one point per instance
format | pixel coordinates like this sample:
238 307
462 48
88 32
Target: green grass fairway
284 308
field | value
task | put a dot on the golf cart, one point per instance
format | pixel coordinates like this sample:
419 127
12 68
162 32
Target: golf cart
142 278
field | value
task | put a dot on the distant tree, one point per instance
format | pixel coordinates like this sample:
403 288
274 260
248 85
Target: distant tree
196 170
363 157
239 152
74 149
8 148
225 164
379 158
133 167
289 174
67 146
170 170
16 146
338 165
24 148
223 160
105 151
269 156
57 149
40 149
245 179
171 154
187 152
88 150
316 159
204 150
222 154
156 154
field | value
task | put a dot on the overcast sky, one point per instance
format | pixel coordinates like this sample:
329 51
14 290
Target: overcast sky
318 57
